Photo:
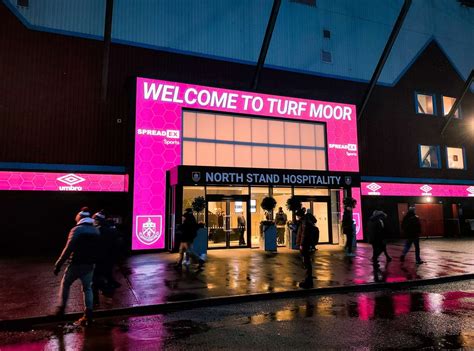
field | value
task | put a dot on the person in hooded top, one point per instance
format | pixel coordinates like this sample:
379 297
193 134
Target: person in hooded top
80 251
304 240
411 226
377 235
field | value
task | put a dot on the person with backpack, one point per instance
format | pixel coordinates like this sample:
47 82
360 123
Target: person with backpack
377 233
411 226
80 253
188 230
314 233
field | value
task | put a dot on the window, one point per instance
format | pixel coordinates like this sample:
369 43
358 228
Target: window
448 102
326 56
326 34
455 156
429 156
425 104
22 3
211 139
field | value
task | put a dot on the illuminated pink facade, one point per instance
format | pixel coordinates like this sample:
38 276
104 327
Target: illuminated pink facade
158 139
46 181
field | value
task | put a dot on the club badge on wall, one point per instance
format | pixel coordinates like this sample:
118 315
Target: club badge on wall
348 180
149 229
196 176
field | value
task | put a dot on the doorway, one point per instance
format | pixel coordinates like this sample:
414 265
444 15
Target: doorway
319 207
227 221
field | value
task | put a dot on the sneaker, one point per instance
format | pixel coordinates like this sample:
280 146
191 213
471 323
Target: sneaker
402 258
420 262
201 263
83 321
350 254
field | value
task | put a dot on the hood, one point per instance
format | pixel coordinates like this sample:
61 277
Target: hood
379 214
86 220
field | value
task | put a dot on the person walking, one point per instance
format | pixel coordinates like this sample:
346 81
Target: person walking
81 251
241 224
377 233
411 226
280 221
314 233
103 273
304 240
188 231
348 224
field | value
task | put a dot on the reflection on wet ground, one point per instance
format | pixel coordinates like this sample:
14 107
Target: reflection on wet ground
370 306
160 331
151 279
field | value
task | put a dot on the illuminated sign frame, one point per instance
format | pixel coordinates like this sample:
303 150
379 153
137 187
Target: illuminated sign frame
418 189
158 126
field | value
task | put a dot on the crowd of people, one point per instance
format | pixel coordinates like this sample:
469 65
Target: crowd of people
92 249
307 236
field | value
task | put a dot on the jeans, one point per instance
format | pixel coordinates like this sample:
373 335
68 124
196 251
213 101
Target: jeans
84 272
350 239
307 264
416 242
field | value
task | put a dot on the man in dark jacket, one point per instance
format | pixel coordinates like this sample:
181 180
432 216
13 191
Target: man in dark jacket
411 226
304 240
348 224
280 220
81 252
376 230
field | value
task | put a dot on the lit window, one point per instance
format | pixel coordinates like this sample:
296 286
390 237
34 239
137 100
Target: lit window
455 157
429 156
425 104
206 126
448 102
189 128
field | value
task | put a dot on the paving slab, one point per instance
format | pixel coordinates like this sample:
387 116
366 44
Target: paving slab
29 288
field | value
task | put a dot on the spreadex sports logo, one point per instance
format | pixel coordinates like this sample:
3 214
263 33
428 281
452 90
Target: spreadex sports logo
373 187
167 134
71 180
351 149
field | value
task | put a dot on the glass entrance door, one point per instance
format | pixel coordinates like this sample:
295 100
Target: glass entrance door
227 223
320 210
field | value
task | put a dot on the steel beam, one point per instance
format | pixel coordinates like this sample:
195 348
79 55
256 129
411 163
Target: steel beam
384 57
266 42
109 7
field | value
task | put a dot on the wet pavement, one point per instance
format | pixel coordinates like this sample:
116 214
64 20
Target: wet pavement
29 287
431 318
